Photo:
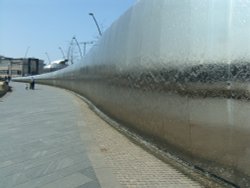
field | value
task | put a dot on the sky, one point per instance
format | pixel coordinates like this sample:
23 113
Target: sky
38 27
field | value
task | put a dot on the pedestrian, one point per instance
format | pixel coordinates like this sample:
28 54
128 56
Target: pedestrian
32 83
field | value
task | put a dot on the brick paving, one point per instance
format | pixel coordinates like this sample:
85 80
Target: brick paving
65 144
132 166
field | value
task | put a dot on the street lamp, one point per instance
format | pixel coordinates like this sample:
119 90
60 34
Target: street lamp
92 14
62 52
10 68
47 56
74 38
70 51
84 46
26 52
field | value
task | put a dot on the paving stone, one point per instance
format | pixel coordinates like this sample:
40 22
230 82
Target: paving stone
40 141
92 184
74 180
50 138
132 165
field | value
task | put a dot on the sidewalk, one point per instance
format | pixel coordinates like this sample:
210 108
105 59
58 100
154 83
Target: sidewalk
50 138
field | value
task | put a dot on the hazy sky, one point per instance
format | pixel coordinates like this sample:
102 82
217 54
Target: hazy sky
45 25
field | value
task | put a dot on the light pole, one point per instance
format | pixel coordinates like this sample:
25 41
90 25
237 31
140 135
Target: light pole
10 68
62 52
84 46
70 50
47 56
27 50
74 38
92 14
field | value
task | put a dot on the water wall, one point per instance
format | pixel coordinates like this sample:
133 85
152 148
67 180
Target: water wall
177 72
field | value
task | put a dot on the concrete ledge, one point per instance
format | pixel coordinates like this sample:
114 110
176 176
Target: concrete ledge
4 88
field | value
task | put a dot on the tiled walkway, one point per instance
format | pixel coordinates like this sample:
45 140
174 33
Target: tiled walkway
50 138
41 145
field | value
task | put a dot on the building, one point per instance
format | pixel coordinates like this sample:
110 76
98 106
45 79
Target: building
56 65
15 67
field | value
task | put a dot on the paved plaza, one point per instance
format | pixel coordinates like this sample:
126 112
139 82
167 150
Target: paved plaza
50 138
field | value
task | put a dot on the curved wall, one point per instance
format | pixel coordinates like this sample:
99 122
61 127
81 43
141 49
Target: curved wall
178 72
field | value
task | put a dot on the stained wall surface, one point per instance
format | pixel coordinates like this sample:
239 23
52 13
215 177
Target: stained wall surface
177 72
